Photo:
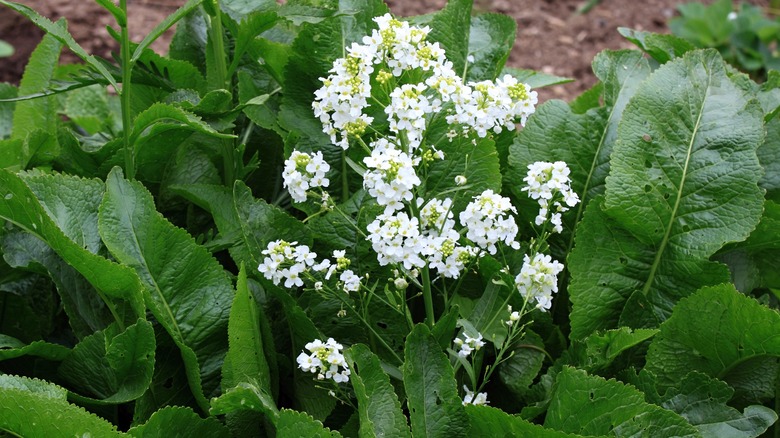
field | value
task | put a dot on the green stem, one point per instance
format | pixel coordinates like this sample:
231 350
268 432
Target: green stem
369 327
127 69
220 81
430 318
344 180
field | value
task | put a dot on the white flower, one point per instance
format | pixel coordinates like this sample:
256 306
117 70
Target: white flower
469 344
351 282
549 185
286 261
488 221
460 180
325 360
304 171
396 239
391 176
538 279
471 399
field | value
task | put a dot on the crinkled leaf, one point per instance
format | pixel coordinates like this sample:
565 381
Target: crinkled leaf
435 409
293 424
682 183
22 207
603 348
112 368
36 386
590 405
702 401
188 291
491 37
174 421
662 48
88 108
609 265
41 409
491 422
723 334
769 156
378 406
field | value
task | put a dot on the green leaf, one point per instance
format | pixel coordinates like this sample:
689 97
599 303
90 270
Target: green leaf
88 108
11 348
246 357
485 316
603 348
609 266
378 406
35 408
490 422
723 334
662 48
110 369
590 405
39 113
7 91
490 40
521 368
533 78
769 156
675 216
251 223
175 422
164 25
244 397
293 424
450 28
188 290
59 32
22 207
702 401
583 141
435 409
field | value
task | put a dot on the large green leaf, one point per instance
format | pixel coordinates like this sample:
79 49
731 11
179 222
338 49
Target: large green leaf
662 48
31 407
188 291
67 200
609 265
450 28
179 422
769 156
39 113
435 409
7 91
378 406
590 405
11 348
723 334
683 183
490 40
112 366
602 348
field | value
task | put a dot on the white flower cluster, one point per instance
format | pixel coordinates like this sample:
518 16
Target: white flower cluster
469 344
396 47
513 316
304 171
325 359
391 177
397 238
488 221
289 261
538 279
549 184
474 399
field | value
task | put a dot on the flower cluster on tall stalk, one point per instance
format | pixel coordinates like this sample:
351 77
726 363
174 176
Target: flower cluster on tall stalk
397 72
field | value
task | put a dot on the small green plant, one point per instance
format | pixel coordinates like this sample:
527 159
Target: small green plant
745 36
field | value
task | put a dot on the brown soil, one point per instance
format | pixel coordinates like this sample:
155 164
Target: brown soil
551 36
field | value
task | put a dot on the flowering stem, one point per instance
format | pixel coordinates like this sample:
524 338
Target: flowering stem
430 318
370 328
127 68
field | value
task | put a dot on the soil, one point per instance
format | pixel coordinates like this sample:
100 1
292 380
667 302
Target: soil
551 36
